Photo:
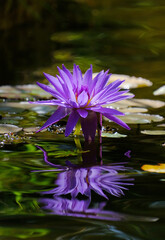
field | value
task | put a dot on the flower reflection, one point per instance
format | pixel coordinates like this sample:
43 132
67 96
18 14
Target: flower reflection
79 208
84 209
82 179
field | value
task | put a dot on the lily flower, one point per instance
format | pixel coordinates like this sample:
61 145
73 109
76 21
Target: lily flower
82 98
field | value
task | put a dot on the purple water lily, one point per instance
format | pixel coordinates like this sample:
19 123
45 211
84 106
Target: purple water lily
82 97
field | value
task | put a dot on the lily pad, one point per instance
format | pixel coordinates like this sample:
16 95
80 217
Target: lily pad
134 110
34 90
160 91
113 135
140 118
131 81
30 130
9 128
20 106
154 168
142 103
153 132
10 92
42 109
161 125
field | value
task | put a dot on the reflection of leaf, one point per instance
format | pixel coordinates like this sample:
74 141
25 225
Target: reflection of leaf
160 168
22 233
153 132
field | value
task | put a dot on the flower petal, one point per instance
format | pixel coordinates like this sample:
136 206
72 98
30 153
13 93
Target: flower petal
66 85
50 90
107 110
60 113
82 112
54 81
87 77
117 99
67 72
89 126
100 84
77 77
82 98
72 120
117 120
94 81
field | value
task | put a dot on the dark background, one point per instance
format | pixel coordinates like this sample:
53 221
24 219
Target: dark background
125 36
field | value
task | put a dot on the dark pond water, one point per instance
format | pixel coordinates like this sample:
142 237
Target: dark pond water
52 187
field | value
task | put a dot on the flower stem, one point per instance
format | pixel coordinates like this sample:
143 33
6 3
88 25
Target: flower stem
99 126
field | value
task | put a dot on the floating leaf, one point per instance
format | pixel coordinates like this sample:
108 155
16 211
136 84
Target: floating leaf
33 90
130 81
161 125
65 37
153 132
113 135
30 130
9 128
20 106
154 168
134 110
140 118
142 103
42 109
11 92
160 91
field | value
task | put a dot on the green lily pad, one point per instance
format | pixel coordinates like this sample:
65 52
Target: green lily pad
161 125
134 110
160 91
140 118
9 128
33 90
113 135
142 103
153 132
21 106
30 130
42 109
131 81
65 37
10 92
